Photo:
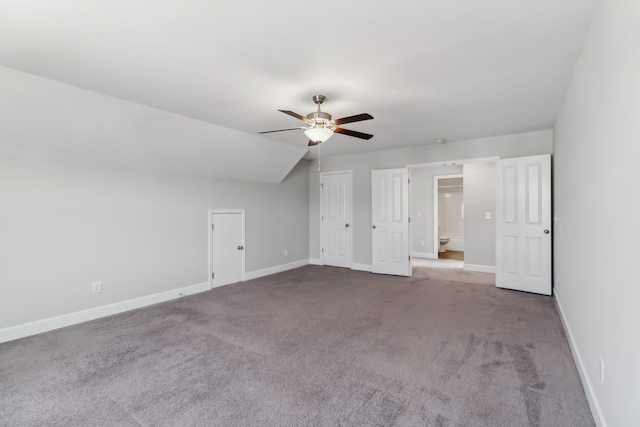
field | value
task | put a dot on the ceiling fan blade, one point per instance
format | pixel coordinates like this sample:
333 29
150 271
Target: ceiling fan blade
312 143
351 119
353 133
296 115
280 130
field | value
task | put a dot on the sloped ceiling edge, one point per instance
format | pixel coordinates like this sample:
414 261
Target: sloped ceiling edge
48 120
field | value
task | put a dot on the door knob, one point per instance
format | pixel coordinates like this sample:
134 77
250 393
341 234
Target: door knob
373 226
240 248
546 231
346 225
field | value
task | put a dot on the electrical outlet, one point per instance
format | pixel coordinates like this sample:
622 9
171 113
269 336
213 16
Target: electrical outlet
286 252
422 243
487 215
96 287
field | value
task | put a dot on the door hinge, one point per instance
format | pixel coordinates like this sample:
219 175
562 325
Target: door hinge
322 250
409 181
322 186
409 257
322 217
213 226
213 275
409 219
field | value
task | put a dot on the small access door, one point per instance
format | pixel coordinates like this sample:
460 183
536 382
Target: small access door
523 224
227 258
390 217
335 193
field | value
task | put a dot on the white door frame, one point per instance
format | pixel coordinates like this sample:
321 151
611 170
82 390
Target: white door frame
210 214
453 162
322 175
436 179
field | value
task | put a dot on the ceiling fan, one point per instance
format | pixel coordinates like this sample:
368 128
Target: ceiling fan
321 127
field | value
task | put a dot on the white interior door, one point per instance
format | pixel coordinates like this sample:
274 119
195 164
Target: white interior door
523 224
227 247
390 217
336 219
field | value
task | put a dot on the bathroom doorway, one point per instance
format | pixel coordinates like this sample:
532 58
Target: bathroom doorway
448 214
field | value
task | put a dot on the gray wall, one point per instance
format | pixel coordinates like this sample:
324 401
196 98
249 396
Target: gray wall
479 198
63 227
596 205
524 144
422 201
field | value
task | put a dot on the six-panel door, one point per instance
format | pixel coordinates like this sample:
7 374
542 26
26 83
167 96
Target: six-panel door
523 224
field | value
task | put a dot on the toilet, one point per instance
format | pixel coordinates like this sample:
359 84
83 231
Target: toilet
443 241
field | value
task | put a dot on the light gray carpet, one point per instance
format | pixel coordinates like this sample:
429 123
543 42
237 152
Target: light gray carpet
315 346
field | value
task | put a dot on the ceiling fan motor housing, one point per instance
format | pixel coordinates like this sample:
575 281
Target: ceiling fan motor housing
320 118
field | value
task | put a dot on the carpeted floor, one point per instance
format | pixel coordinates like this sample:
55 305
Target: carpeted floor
315 346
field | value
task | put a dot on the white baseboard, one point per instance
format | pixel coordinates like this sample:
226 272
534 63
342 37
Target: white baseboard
276 269
315 261
361 267
424 255
596 411
479 268
39 326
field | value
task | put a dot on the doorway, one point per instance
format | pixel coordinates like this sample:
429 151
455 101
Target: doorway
448 214
424 223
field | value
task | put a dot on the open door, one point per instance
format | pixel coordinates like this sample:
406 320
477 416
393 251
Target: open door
390 216
523 224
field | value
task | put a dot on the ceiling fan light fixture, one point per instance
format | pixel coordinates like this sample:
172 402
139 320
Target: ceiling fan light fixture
321 125
318 134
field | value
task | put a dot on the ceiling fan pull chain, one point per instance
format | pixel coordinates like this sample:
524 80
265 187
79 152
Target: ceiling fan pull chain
319 158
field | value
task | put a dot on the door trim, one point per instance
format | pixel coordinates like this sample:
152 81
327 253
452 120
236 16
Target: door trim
322 175
453 162
436 202
210 214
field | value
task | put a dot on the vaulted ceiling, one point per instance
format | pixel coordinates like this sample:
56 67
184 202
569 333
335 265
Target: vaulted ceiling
425 69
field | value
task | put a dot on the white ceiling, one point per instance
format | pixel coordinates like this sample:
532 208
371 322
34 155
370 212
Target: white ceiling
425 69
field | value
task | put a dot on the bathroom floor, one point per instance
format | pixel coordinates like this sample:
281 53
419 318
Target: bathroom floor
458 255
